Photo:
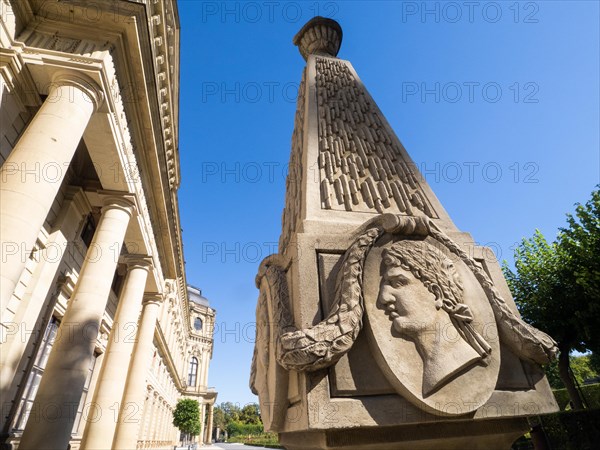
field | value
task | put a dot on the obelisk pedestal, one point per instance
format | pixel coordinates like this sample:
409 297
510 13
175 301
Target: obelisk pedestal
380 325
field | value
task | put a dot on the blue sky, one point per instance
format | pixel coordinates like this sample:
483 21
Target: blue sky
497 103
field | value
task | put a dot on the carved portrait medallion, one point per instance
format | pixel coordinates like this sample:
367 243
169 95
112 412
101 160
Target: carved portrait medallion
430 325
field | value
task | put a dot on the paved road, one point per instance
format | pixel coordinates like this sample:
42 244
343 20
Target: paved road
232 446
221 446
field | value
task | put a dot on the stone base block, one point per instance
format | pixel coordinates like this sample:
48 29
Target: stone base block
482 434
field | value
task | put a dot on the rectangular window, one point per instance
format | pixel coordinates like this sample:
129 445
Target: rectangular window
193 371
87 233
35 376
117 283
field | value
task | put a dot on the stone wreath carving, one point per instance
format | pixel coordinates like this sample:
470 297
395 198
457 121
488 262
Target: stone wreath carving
322 345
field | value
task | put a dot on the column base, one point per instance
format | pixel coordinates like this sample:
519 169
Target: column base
474 435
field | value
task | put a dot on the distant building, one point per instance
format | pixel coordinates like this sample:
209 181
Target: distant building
200 348
100 334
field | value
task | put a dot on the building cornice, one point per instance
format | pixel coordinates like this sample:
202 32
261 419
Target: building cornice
17 79
142 40
159 336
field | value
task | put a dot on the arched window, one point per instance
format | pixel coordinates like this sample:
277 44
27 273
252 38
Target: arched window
198 324
193 371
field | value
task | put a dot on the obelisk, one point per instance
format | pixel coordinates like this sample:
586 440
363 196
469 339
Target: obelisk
380 325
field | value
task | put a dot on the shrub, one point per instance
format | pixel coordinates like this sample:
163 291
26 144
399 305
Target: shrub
244 429
567 430
591 395
572 430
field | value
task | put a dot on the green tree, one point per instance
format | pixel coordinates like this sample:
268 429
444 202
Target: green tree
582 367
556 286
238 421
553 376
219 418
580 242
231 411
595 362
250 414
186 416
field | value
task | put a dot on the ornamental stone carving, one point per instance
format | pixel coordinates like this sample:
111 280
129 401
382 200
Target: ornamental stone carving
372 314
432 314
432 328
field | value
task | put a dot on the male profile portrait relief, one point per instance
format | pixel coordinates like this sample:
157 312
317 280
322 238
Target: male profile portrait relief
422 294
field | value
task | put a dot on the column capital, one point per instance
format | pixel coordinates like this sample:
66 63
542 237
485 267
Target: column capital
77 195
138 262
75 207
123 202
82 82
152 298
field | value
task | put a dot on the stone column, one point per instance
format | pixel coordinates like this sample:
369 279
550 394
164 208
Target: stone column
147 433
172 428
163 419
111 383
159 419
74 209
68 365
165 423
135 386
35 169
154 418
202 417
143 434
209 425
168 420
165 429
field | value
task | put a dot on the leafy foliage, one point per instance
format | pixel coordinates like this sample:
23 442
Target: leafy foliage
557 285
580 365
238 421
595 362
580 242
572 430
239 428
231 411
186 416
269 440
566 430
591 393
542 288
250 414
219 418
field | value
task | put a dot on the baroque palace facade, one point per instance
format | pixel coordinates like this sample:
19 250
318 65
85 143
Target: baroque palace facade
101 335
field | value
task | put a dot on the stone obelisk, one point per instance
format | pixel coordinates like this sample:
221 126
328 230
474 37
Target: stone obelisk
380 325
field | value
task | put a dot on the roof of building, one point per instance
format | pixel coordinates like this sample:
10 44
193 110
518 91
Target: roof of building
195 296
